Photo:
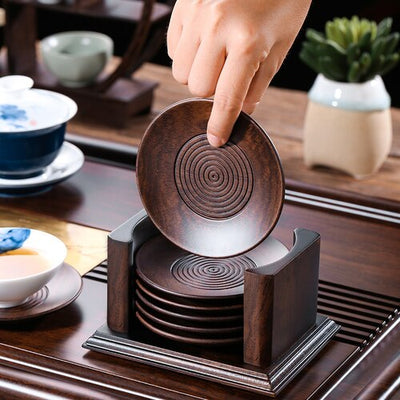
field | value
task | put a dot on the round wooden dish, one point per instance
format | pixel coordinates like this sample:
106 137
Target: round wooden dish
204 330
213 319
214 202
186 306
186 338
218 282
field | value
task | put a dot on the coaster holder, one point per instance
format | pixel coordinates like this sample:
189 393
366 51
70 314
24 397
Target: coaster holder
282 331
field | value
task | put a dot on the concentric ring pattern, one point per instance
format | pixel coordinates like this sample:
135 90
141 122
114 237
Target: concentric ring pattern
215 183
210 273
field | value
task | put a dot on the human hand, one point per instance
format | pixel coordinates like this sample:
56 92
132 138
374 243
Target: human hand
231 49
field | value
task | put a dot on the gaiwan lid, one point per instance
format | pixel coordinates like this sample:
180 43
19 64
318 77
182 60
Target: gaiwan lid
214 202
25 109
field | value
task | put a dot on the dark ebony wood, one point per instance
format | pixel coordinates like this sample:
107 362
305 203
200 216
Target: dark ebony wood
193 299
133 51
360 252
20 43
382 385
280 300
105 151
17 384
122 244
211 192
225 367
113 107
290 339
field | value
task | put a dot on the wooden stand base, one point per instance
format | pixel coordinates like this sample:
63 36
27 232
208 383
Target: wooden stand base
281 333
125 98
222 366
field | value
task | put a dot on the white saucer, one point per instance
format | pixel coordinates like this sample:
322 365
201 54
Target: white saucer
68 162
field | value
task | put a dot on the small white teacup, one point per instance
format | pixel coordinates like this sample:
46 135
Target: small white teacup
26 270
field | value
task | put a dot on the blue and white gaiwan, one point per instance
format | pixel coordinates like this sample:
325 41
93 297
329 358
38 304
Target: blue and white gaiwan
32 126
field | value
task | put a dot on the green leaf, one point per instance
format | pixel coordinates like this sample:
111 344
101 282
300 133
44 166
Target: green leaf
333 33
376 65
391 42
353 52
384 27
315 36
365 63
352 49
354 28
374 30
354 72
389 63
349 32
311 47
365 40
328 67
377 48
336 47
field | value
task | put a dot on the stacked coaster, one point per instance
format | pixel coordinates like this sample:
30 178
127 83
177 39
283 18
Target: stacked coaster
195 299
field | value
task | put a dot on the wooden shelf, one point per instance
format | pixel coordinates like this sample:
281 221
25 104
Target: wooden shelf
114 97
126 10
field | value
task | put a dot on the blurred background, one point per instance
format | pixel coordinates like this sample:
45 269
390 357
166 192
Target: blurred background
293 73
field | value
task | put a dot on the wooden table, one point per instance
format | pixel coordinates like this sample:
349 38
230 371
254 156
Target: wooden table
359 263
359 287
281 113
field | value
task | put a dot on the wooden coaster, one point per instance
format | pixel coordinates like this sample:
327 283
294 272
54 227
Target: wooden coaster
214 202
169 272
193 299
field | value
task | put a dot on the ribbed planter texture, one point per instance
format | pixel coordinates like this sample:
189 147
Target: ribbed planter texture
348 126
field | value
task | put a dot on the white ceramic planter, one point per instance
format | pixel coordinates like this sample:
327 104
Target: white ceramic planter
348 126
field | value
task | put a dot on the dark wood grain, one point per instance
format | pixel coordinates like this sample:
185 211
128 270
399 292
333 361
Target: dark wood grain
280 301
211 191
281 114
17 384
193 299
134 48
120 254
386 383
356 251
151 338
113 106
21 50
105 197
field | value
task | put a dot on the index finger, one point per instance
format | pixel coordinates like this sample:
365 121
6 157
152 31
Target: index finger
231 90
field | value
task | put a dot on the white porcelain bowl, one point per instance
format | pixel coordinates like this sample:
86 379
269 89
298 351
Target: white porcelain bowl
17 284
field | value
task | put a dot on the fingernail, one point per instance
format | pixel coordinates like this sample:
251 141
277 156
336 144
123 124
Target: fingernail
215 141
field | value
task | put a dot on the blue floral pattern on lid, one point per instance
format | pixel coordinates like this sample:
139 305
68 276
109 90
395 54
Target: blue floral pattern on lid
13 114
24 109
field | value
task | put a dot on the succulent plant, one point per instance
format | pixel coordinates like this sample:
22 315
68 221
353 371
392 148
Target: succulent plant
351 50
